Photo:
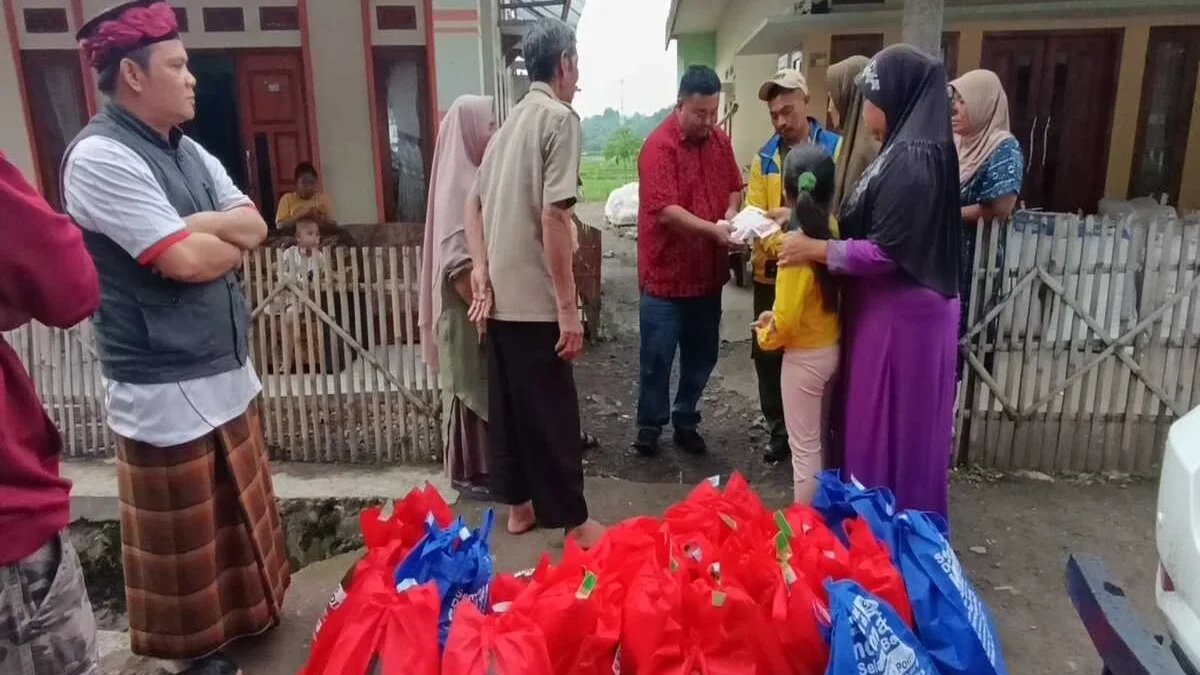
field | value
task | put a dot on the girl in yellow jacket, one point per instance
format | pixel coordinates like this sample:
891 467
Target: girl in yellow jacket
803 322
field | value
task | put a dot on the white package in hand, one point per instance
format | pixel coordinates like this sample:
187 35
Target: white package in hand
752 222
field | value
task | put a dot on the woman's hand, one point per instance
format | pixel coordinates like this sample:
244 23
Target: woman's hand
481 297
799 249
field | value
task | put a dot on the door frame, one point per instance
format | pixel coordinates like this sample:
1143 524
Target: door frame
30 64
308 103
429 127
1189 93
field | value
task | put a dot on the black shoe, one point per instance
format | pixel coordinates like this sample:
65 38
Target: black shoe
690 441
776 453
477 492
216 664
646 443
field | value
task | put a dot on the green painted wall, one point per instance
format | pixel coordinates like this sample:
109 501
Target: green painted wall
695 49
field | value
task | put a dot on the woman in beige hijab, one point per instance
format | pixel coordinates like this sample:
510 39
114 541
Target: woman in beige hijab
990 168
449 340
858 147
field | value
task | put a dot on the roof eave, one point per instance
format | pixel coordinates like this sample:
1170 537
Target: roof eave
672 14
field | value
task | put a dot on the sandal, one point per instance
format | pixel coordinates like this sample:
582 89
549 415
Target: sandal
471 491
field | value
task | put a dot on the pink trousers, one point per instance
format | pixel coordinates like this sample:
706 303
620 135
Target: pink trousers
805 380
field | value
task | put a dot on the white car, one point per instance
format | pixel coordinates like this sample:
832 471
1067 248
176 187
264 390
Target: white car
1124 643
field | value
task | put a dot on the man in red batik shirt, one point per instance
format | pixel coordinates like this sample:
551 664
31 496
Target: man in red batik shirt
690 187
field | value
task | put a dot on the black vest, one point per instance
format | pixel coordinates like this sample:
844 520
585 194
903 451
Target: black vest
150 329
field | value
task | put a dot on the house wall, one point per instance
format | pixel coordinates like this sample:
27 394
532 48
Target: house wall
339 58
458 48
339 75
751 126
752 121
14 129
695 49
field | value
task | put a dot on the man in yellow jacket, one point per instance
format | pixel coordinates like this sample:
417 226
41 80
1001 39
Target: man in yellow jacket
786 96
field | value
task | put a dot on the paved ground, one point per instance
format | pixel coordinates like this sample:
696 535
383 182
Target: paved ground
1012 535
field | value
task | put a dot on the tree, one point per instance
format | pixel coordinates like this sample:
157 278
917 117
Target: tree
623 147
598 130
922 25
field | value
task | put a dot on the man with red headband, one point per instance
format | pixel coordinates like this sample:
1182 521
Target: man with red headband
204 555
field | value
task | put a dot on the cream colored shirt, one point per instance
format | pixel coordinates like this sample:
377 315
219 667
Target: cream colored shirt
531 162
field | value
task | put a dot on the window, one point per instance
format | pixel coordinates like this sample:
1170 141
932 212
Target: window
224 20
1168 88
279 18
402 99
58 110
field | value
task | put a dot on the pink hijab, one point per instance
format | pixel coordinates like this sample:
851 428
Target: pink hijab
461 140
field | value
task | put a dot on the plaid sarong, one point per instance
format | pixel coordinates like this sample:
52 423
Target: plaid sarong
202 542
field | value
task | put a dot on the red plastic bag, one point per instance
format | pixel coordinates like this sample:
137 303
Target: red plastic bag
673 626
397 631
497 644
793 615
390 534
505 589
580 618
625 547
871 566
816 553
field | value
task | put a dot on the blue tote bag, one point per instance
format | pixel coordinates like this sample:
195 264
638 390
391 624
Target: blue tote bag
867 636
839 500
953 622
458 560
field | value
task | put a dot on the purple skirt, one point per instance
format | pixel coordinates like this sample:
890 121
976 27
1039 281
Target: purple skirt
895 418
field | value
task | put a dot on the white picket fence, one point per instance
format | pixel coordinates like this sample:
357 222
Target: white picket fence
1083 343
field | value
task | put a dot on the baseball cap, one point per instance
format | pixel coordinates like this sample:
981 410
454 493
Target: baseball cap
788 78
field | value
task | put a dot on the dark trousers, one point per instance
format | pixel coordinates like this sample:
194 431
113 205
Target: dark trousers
767 366
533 424
691 326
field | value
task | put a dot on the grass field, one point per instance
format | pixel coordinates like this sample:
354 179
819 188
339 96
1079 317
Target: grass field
601 177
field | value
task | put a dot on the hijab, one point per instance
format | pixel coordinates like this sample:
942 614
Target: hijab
987 120
907 201
462 138
858 148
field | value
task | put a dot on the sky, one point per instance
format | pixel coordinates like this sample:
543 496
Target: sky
623 58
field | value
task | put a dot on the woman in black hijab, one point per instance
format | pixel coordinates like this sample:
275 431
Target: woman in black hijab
898 263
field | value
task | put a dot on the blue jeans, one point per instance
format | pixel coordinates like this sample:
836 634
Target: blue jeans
691 326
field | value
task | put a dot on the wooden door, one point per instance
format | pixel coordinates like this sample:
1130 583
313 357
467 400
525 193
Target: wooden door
1061 90
842 47
272 110
1018 61
1079 87
58 108
1164 122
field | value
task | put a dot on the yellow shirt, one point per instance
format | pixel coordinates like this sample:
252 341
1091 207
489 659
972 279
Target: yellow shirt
800 319
291 205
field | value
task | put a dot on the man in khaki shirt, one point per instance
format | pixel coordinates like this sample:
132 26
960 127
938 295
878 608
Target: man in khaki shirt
521 233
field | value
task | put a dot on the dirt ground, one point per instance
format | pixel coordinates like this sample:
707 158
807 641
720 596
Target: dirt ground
1013 535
